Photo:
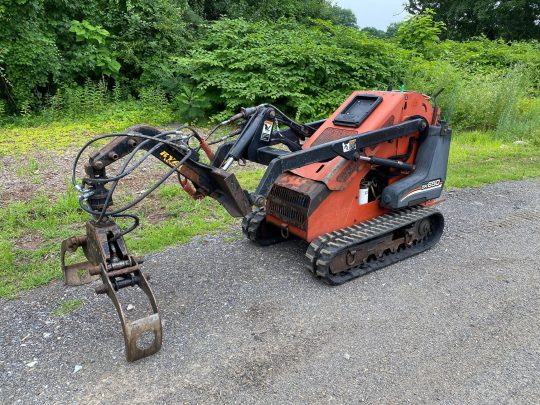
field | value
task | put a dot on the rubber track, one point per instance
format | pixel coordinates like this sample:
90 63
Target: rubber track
323 249
251 223
252 227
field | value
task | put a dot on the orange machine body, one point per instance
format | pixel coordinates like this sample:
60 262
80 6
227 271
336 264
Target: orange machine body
323 197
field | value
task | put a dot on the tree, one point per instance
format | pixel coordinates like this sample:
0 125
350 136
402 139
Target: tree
374 32
507 19
342 16
392 29
255 10
420 32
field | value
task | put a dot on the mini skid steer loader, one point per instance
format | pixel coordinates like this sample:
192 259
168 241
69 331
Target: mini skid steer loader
359 187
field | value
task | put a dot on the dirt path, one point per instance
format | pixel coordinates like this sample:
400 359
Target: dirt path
49 174
458 324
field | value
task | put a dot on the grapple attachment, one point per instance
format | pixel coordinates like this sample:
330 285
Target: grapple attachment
108 258
135 331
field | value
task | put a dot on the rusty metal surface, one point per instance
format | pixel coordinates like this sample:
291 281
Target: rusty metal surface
229 193
78 273
108 257
135 330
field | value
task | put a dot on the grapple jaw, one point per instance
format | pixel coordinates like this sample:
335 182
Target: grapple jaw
108 258
136 330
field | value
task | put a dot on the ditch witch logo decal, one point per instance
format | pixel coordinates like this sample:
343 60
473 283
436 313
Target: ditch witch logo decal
349 146
428 186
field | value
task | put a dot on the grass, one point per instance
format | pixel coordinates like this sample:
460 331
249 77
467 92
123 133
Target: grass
31 231
24 266
67 307
478 158
43 133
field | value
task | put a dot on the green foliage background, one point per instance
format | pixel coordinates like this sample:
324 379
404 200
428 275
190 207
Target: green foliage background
199 59
508 19
52 45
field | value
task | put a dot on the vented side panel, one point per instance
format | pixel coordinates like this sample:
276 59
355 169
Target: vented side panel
332 134
291 196
288 205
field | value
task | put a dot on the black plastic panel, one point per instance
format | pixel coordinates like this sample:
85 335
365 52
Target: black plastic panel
427 180
357 110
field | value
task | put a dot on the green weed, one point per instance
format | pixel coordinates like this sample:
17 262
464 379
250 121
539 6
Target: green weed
67 307
29 169
43 133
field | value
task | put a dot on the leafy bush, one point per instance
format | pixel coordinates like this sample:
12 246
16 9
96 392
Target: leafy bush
420 32
191 104
49 44
126 40
305 69
28 55
93 54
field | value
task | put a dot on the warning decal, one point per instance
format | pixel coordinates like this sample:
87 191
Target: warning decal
266 131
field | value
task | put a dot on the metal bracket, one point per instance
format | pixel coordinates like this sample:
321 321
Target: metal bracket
78 273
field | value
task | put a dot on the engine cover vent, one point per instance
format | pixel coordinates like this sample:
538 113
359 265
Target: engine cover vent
292 199
288 205
332 134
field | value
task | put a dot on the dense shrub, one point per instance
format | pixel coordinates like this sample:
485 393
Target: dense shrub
48 44
305 69
420 32
85 57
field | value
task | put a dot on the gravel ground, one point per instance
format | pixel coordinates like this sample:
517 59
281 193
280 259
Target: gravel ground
242 324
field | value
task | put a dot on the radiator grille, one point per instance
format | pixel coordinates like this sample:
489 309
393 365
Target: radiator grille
288 205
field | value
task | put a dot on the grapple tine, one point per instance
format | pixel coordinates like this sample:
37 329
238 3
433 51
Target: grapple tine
136 329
